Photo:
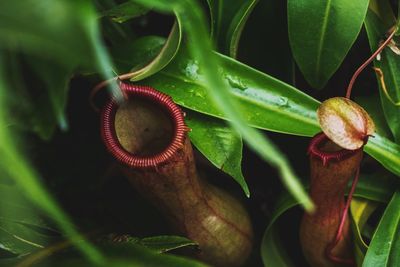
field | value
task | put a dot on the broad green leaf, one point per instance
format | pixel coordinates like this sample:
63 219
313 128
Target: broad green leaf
227 21
384 248
200 48
389 63
208 133
222 146
376 187
321 34
265 102
384 151
125 11
361 210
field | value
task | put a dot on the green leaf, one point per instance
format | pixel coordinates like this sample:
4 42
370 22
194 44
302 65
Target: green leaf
137 54
272 253
265 102
321 34
361 210
384 248
115 255
167 53
227 20
58 33
389 63
147 55
14 165
160 244
22 230
376 187
384 151
222 146
166 243
190 12
374 109
125 11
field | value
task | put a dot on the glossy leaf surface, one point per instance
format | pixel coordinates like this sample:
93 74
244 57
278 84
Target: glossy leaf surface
321 33
265 102
385 245
189 11
222 146
207 133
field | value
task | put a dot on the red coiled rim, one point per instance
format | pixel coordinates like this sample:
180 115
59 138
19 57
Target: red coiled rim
320 139
110 139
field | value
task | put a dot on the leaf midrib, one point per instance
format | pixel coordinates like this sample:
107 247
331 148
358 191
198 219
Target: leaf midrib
322 39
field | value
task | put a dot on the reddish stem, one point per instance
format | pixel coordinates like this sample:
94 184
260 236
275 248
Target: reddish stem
369 60
339 236
329 180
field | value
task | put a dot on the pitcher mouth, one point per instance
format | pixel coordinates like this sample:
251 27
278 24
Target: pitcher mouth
161 101
315 150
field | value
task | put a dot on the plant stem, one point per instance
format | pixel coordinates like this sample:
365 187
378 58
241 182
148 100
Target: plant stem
382 46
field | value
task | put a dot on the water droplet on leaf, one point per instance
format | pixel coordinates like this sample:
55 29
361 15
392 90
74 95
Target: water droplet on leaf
236 82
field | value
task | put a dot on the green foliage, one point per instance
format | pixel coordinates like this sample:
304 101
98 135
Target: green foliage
221 145
376 27
125 11
22 230
43 44
376 187
201 52
321 33
228 19
384 247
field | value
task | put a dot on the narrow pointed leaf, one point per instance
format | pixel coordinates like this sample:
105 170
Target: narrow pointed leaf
384 249
227 22
376 187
